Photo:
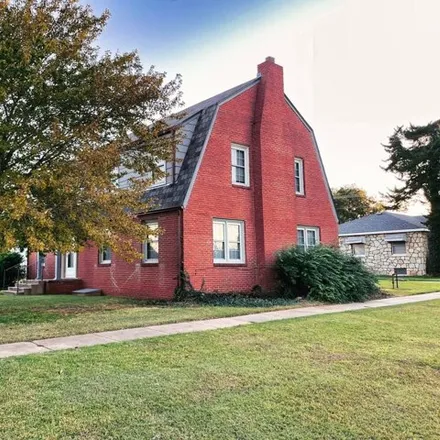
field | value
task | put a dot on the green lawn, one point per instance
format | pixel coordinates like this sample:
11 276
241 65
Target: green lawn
371 374
410 286
23 318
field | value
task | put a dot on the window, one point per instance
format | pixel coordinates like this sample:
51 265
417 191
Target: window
162 165
299 177
240 165
307 237
228 241
358 249
105 256
398 248
150 248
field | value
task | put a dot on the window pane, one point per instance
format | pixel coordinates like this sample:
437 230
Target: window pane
239 175
239 158
300 237
219 234
153 250
70 260
399 247
358 249
297 169
234 251
311 237
297 185
219 250
233 233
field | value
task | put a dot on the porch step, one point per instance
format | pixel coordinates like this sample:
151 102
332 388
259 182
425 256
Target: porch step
22 290
87 292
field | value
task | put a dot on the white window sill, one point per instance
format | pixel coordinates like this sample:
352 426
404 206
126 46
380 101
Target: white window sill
399 255
150 261
105 262
229 262
299 193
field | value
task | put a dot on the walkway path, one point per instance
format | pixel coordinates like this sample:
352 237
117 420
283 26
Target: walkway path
53 344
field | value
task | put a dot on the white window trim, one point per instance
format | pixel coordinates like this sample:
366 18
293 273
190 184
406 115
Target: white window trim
101 259
225 223
309 228
299 161
144 245
236 147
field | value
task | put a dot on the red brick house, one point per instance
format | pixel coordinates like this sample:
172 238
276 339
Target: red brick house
248 181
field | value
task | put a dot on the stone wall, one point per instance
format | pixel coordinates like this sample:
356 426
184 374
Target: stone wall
380 260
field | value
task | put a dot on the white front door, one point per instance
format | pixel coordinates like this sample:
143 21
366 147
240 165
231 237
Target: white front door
70 265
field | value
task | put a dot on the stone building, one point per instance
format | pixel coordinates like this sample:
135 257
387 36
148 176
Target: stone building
387 242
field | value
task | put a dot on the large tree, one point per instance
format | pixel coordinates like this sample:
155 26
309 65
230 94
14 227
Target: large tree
414 156
352 202
68 117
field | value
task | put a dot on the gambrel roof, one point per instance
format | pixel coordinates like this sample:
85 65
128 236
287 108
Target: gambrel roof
173 195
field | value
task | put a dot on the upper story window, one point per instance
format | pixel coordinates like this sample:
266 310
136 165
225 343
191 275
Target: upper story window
299 177
105 255
162 165
228 241
240 165
150 247
398 248
307 237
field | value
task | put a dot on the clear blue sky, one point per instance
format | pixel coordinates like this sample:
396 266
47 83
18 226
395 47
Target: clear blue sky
161 29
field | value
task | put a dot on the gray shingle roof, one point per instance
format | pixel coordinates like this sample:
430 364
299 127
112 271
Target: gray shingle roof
384 222
173 195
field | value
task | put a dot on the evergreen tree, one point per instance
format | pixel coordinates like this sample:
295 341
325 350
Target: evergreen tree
414 156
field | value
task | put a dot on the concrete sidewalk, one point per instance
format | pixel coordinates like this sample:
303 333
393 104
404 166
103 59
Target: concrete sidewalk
131 334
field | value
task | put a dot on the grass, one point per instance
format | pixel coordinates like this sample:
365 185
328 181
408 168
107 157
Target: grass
23 318
410 286
371 374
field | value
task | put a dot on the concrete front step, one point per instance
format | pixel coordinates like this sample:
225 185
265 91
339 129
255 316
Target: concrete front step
21 290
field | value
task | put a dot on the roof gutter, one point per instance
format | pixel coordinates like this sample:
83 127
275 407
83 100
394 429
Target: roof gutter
384 232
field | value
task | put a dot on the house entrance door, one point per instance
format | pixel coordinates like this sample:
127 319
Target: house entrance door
70 260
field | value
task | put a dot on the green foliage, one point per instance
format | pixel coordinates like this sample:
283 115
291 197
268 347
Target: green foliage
68 117
325 274
352 202
414 156
7 261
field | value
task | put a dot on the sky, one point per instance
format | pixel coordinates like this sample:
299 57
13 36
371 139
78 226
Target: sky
356 69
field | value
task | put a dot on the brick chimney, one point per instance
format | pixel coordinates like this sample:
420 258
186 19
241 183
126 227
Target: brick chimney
270 163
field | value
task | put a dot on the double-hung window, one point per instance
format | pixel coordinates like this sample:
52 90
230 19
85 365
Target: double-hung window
299 177
307 237
105 256
228 241
240 165
150 247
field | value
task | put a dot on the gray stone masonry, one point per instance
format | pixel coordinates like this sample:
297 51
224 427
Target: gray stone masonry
380 260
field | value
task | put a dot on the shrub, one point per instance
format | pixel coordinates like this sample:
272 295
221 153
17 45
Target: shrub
324 274
8 260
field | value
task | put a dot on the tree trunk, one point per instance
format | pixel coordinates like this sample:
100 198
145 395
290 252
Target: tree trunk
433 262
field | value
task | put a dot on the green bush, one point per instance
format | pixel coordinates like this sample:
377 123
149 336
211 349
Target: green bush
8 260
324 274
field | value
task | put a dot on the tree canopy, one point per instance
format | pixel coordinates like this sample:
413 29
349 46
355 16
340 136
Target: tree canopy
414 156
352 202
68 117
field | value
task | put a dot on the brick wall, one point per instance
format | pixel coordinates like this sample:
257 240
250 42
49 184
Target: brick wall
261 119
136 279
131 279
